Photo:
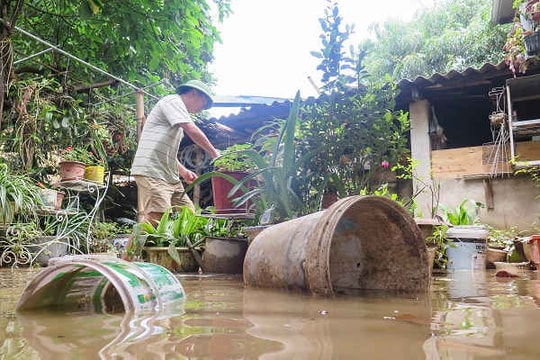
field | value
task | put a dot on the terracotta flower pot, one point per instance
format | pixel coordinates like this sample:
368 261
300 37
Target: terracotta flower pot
220 192
72 170
52 199
59 199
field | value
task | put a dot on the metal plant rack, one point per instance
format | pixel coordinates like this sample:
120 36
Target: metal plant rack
28 254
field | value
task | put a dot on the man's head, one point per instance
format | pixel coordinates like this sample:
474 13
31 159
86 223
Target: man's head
196 95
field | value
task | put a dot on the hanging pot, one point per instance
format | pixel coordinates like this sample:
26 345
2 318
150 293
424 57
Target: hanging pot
532 43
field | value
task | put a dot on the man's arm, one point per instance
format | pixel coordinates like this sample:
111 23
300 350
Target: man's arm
200 138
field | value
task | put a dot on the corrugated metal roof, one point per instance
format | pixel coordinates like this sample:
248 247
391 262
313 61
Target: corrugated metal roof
486 71
244 100
469 84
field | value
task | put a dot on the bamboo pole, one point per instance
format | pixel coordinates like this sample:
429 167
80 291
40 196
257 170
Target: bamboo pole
141 118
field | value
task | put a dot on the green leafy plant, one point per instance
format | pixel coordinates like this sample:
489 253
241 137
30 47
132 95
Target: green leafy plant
350 135
183 229
438 241
233 159
384 191
502 238
278 170
466 213
18 194
532 171
101 233
274 172
225 228
74 153
16 243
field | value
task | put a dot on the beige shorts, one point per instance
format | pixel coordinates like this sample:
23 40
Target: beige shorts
156 195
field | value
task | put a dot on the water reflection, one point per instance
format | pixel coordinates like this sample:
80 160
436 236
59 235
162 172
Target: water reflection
464 316
483 316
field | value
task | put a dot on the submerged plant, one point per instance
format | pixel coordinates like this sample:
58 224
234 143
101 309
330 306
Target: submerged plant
439 242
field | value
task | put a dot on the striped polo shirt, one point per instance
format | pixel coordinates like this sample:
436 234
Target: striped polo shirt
160 139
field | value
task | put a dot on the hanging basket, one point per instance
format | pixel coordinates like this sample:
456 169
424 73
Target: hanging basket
532 43
72 170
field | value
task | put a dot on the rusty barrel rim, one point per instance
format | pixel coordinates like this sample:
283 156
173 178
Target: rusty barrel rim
317 265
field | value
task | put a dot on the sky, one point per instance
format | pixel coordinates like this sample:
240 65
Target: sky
266 44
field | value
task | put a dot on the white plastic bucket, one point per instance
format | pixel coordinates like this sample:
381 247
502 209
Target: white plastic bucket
103 284
467 250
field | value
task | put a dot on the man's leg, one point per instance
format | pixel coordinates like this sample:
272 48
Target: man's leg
153 199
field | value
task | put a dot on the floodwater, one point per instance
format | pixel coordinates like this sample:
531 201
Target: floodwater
465 315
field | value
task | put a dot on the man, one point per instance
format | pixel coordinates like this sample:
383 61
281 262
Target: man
156 168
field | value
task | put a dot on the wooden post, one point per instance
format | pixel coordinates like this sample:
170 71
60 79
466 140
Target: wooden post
197 188
488 193
141 118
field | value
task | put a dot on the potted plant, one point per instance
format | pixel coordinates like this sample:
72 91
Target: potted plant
467 236
275 195
95 172
101 235
18 194
225 246
28 243
52 198
73 162
522 45
231 167
175 240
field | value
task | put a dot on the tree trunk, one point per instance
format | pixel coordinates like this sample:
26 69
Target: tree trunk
10 10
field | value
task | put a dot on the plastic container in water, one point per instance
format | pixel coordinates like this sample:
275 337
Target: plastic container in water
102 284
358 243
467 250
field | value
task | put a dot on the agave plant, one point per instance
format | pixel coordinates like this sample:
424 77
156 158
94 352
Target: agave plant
278 170
275 170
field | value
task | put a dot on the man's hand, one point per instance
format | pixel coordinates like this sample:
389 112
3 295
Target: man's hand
187 174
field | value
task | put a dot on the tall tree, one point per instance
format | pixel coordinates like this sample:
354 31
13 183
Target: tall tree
145 42
453 35
138 40
10 10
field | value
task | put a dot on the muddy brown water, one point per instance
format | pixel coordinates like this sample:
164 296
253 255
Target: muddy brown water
465 315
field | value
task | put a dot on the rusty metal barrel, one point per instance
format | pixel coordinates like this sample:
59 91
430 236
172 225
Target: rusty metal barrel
359 243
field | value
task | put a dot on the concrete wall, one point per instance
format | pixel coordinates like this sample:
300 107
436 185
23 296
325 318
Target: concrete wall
513 198
514 202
